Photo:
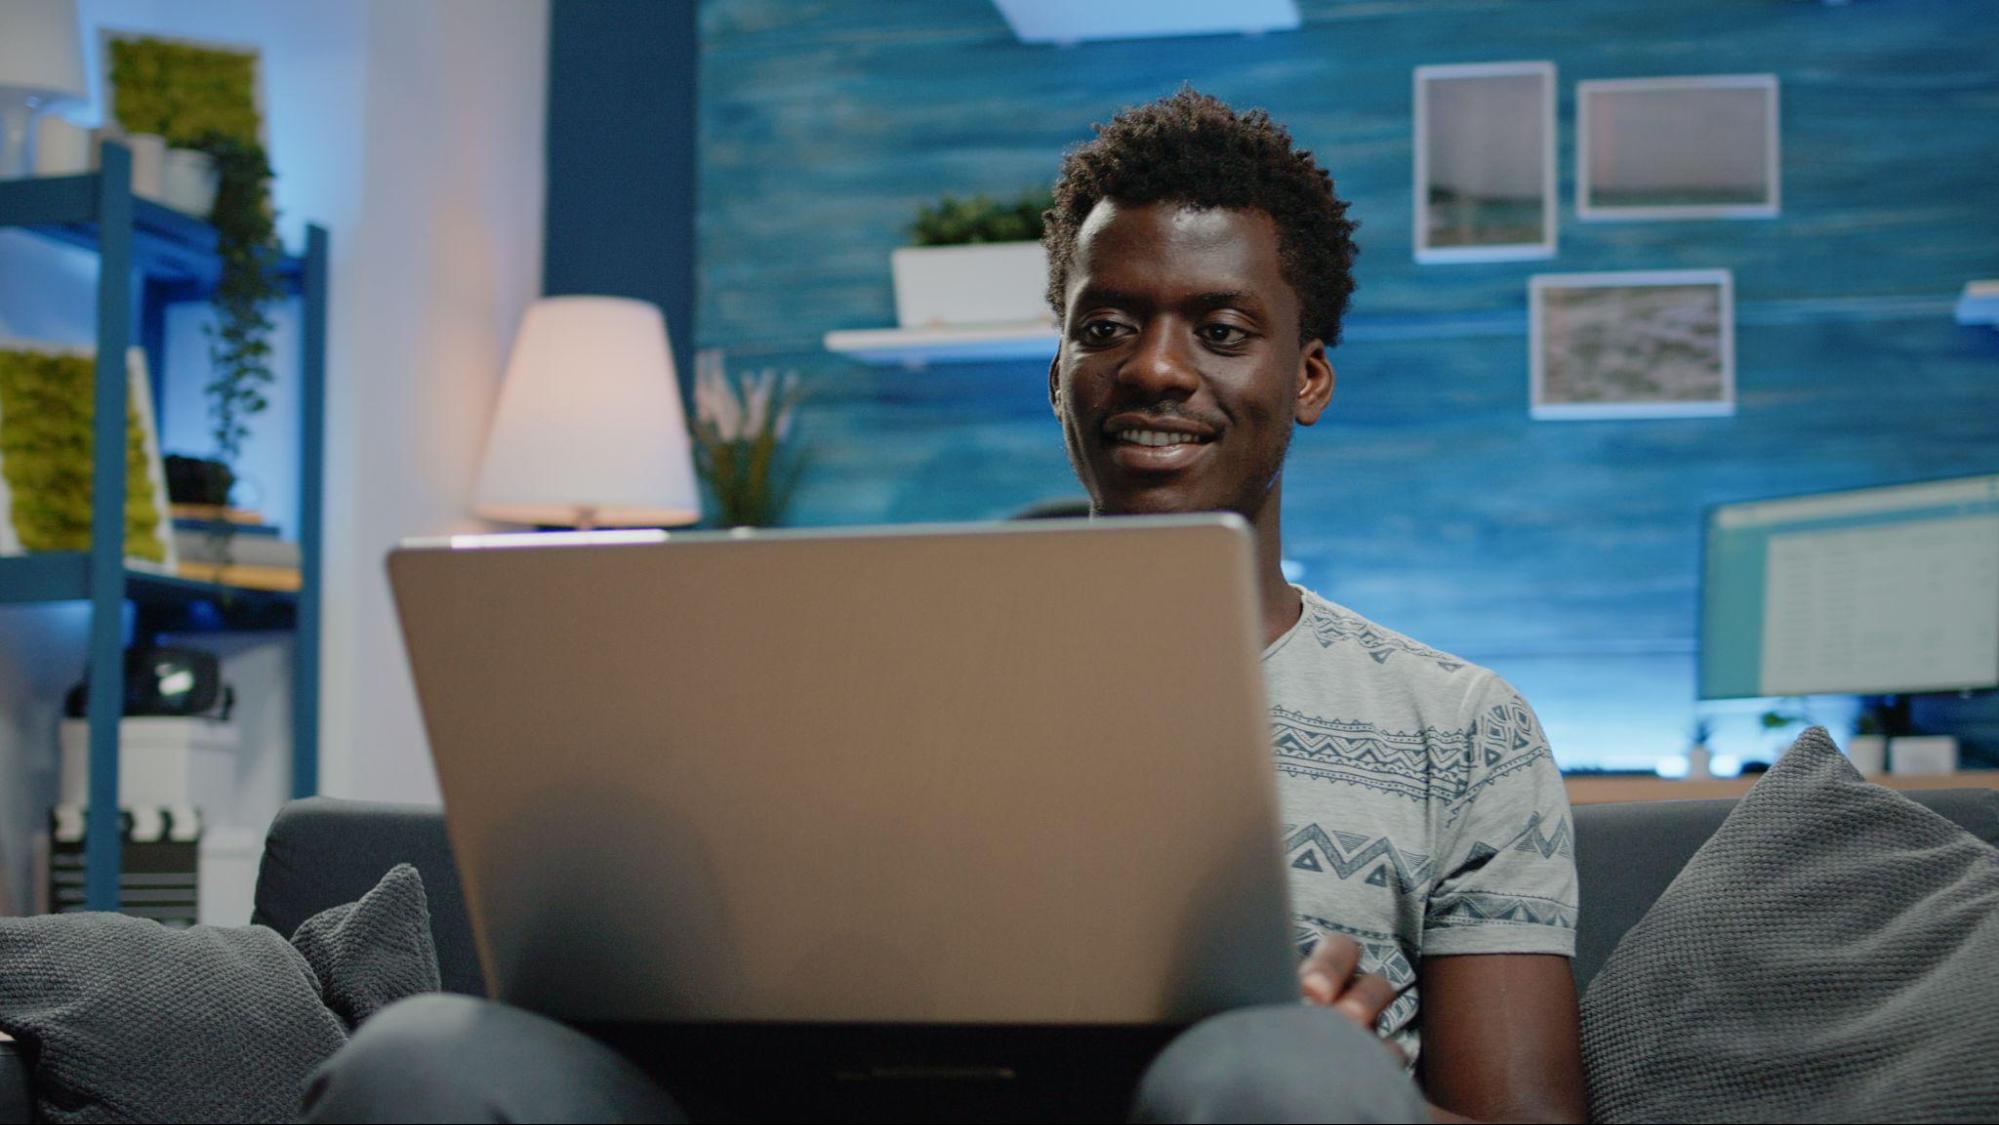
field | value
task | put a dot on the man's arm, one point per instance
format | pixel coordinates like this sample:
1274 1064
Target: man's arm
1501 1038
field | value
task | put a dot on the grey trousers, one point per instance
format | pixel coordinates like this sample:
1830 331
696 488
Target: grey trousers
454 1058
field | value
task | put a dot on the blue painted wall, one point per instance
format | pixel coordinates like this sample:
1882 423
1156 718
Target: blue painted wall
621 152
1563 554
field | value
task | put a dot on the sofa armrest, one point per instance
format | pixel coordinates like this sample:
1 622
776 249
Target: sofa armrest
17 1099
322 852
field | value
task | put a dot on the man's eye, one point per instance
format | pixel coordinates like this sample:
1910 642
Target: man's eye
1223 334
1100 331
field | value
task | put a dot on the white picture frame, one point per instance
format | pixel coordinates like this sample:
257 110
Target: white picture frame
1484 185
1631 344
140 391
1693 147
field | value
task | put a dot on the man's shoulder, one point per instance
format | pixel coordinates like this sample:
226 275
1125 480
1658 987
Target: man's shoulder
1340 632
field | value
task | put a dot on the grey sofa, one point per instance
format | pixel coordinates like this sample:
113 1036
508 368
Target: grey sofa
323 852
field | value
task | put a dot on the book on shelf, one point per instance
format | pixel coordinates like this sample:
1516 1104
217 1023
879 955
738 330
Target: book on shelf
210 527
241 550
181 511
284 579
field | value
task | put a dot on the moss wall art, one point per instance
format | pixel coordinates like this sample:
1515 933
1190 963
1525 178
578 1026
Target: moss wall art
45 451
185 92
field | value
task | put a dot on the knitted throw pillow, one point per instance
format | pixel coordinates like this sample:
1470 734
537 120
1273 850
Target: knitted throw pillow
1831 954
127 1020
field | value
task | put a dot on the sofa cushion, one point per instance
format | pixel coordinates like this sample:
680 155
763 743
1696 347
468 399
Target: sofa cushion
324 850
1826 955
124 1019
1627 854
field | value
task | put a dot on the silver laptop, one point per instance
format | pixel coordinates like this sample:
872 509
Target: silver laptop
981 774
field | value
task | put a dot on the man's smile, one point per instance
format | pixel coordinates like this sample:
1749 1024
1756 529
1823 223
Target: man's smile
1145 444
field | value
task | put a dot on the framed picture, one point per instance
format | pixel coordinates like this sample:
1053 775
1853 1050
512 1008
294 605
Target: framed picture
182 89
1678 148
47 398
1646 344
1485 162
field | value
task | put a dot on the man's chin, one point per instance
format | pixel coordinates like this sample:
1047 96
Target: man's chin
1154 502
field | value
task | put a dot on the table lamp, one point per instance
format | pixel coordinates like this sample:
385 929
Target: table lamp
41 65
590 431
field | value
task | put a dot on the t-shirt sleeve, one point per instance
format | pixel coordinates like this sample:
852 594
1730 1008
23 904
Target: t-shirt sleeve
1506 848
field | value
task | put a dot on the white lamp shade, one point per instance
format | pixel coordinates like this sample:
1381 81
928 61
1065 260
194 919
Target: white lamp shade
590 428
41 49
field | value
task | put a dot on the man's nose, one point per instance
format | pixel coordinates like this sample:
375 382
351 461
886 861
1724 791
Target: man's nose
1162 366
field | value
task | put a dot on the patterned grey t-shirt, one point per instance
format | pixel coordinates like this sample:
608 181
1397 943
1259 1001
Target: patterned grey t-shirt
1423 814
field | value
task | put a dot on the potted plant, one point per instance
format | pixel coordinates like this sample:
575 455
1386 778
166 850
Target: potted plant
975 261
742 427
203 98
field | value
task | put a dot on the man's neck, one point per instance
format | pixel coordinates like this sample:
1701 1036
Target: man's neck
1279 603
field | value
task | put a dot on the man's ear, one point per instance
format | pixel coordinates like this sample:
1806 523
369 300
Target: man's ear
1315 383
1055 384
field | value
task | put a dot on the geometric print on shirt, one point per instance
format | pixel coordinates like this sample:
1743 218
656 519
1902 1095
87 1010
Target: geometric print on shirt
1399 763
1346 854
1332 627
1504 741
1485 908
1413 765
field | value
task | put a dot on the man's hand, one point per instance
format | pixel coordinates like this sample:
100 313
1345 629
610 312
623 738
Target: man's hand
1331 977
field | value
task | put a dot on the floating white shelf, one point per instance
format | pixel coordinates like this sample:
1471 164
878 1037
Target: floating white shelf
1067 22
1979 303
916 348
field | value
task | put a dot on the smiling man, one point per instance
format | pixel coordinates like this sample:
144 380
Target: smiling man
1200 266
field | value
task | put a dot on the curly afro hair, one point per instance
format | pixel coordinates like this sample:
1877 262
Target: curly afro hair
1193 149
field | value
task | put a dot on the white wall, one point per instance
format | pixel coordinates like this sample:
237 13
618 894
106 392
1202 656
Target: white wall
447 255
414 132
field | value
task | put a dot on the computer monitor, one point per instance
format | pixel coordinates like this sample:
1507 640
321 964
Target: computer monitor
1875 591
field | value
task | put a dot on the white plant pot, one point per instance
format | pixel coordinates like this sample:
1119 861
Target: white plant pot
982 283
189 181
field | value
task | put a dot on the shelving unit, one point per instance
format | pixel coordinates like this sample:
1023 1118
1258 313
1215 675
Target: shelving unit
915 348
171 257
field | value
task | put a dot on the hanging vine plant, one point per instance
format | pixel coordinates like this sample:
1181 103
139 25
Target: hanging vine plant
239 345
203 97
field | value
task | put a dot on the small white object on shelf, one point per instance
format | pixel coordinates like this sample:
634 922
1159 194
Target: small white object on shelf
149 159
163 760
1979 303
915 348
1868 752
62 147
41 66
976 283
1922 755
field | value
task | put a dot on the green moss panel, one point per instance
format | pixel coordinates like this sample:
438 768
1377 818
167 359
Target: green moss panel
45 456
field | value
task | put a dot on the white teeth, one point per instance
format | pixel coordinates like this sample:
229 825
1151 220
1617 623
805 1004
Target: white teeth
1155 437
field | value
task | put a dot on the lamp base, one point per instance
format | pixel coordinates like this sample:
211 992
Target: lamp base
17 134
18 110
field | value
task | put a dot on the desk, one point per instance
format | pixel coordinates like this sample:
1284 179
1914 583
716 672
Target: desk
1602 790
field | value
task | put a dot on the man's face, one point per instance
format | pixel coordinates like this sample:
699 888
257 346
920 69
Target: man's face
1180 371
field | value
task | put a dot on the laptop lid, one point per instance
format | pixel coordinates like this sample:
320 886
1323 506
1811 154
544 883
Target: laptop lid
1014 773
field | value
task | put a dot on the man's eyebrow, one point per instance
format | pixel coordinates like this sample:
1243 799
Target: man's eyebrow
1098 295
1213 299
1225 298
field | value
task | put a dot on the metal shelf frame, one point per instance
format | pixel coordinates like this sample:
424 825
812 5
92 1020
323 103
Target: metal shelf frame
171 257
